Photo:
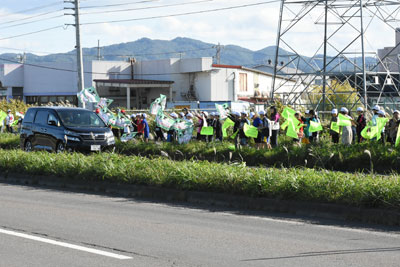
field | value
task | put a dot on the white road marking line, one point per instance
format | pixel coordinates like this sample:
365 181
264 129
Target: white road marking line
66 245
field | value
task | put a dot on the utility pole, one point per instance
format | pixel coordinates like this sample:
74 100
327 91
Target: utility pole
219 47
79 56
98 50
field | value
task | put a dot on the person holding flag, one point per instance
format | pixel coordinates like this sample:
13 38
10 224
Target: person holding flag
274 117
257 122
146 129
265 130
243 120
217 126
382 114
347 132
300 134
312 117
334 131
360 124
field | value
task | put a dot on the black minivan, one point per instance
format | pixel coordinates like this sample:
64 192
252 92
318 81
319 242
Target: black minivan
61 128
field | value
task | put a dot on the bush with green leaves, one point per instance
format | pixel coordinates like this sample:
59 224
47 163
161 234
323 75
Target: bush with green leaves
301 184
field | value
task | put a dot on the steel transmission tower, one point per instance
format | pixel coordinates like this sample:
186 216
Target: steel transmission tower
321 41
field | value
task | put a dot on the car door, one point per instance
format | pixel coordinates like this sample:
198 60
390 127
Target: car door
39 129
54 132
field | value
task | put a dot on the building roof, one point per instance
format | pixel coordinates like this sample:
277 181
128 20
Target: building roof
134 81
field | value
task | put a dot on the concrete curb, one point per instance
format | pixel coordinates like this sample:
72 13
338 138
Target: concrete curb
300 208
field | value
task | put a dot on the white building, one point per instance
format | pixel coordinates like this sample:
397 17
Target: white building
135 85
389 57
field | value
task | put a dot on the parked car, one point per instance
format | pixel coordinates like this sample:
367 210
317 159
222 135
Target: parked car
61 128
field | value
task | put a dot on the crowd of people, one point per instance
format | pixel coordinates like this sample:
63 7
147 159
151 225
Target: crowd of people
268 124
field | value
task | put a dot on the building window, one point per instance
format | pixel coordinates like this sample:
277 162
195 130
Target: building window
243 82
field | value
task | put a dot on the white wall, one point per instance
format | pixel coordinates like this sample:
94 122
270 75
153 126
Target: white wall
12 75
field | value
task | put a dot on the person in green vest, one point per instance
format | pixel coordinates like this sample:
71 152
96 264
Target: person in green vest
347 132
334 135
382 114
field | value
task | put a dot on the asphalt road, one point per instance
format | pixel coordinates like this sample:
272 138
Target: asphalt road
154 234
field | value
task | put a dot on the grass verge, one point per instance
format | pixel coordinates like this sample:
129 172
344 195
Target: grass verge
324 186
365 157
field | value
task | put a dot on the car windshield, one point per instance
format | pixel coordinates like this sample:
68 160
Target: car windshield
80 118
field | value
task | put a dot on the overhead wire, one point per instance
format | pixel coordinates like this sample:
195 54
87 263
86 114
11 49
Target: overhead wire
30 22
32 17
183 14
145 8
120 4
30 33
32 9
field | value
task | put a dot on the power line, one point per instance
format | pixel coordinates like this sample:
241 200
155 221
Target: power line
31 17
183 14
30 33
32 9
30 22
121 4
141 8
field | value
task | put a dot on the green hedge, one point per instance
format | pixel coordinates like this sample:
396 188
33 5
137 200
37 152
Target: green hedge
291 184
323 155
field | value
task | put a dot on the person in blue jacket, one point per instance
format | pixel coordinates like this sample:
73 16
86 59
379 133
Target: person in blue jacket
146 130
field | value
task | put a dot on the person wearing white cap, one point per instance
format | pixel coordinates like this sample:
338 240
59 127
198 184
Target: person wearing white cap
361 122
347 132
171 134
243 120
217 125
257 122
376 110
334 135
393 126
9 121
265 130
274 118
310 137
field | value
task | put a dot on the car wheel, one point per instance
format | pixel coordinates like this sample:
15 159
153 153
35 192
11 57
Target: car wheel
60 148
28 146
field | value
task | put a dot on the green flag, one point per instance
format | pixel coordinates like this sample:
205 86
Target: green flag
288 112
3 115
233 136
228 123
343 120
315 127
207 130
397 137
335 127
285 124
250 131
292 127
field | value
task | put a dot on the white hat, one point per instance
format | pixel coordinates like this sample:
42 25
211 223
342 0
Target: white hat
205 113
189 115
376 107
261 112
174 115
182 114
9 110
396 111
307 111
343 109
236 113
334 111
243 112
252 114
360 109
144 115
381 112
133 115
216 114
212 113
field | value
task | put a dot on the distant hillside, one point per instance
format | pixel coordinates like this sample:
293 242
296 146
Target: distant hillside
147 49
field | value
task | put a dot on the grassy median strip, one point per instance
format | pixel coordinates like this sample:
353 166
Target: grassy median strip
365 157
290 184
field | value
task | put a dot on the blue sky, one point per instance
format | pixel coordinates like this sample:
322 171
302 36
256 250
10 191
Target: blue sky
250 27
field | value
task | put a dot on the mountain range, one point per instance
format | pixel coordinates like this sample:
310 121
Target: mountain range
148 49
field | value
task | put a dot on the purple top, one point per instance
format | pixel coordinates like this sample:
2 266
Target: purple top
275 117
